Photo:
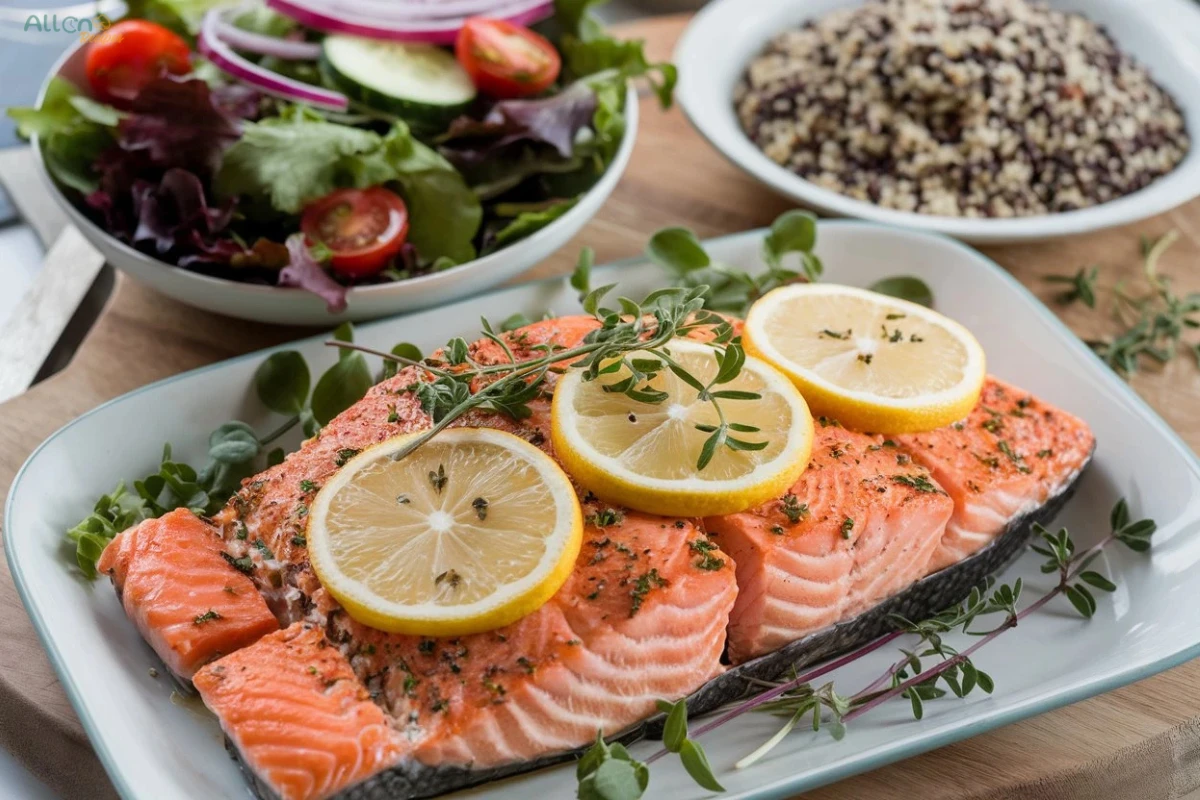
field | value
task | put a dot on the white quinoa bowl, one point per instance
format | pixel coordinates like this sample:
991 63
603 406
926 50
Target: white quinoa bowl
719 43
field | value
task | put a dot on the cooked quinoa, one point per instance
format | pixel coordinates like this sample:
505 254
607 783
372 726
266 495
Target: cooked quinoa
961 108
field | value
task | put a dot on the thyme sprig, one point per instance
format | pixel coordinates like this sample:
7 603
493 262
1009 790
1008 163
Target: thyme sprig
1153 320
1081 286
629 350
798 698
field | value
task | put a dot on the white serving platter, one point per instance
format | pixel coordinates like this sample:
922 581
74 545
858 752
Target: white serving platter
722 39
154 747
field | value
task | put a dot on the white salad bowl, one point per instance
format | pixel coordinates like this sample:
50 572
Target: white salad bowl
292 306
722 39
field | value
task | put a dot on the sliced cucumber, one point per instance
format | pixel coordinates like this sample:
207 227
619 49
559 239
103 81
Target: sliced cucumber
422 83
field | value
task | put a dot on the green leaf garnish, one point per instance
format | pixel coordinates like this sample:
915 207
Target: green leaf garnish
905 287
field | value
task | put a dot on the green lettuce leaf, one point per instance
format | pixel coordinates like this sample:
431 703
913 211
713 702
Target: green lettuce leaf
529 220
298 157
295 158
181 16
72 129
588 49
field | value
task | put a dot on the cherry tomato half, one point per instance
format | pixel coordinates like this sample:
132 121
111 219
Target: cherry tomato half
129 55
506 60
363 228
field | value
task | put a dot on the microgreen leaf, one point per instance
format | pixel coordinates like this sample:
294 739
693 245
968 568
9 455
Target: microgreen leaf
905 287
343 384
678 250
696 763
343 333
403 350
791 232
614 779
515 321
233 443
675 727
581 278
282 382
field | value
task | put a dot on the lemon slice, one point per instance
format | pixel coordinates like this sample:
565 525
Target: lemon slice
470 532
872 362
645 455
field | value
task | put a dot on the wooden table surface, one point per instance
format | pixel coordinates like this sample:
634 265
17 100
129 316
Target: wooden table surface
1140 742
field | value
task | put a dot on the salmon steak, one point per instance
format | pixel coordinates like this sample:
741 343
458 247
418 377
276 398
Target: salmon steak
314 703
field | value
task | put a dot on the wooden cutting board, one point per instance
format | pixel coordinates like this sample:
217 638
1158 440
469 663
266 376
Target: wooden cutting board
1141 742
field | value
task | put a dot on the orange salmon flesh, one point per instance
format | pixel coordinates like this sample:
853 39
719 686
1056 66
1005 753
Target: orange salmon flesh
655 607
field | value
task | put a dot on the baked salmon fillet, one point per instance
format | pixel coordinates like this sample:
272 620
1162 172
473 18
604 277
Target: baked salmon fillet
178 588
642 617
860 525
879 514
1006 459
656 607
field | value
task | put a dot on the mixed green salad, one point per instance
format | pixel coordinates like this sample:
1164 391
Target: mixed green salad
324 144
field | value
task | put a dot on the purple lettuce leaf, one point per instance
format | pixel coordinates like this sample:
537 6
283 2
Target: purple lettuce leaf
181 123
172 213
154 183
553 121
306 272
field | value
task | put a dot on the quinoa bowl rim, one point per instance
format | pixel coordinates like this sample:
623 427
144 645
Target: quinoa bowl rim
722 39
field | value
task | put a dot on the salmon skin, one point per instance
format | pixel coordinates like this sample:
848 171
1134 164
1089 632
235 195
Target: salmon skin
654 608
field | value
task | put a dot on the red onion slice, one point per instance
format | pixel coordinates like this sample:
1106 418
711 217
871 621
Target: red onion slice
421 10
221 54
334 18
252 42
